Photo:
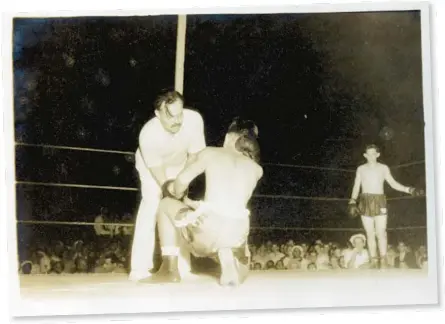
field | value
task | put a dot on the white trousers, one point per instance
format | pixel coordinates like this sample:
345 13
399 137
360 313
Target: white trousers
143 247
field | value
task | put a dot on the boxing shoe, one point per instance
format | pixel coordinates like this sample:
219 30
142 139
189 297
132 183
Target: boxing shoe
167 273
374 263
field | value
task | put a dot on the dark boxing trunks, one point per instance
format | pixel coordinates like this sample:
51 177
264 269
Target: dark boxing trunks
372 205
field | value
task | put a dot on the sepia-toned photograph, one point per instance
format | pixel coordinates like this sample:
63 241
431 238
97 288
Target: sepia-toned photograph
223 160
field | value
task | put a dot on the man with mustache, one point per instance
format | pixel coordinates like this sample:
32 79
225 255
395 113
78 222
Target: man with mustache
167 142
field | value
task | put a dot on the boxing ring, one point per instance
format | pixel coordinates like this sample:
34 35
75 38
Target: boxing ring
93 294
72 294
69 293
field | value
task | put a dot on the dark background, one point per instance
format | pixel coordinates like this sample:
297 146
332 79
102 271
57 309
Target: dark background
319 86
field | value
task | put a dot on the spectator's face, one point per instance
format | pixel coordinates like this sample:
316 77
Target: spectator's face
269 245
304 246
79 247
280 265
82 265
337 253
312 257
257 266
290 243
296 253
283 248
270 265
326 249
275 248
26 268
317 248
402 247
359 244
262 250
58 267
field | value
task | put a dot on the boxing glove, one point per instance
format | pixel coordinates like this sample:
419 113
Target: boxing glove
168 190
353 210
416 192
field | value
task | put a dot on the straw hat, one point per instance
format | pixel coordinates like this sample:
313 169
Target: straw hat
355 236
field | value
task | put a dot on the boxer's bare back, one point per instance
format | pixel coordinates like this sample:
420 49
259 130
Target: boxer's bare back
231 177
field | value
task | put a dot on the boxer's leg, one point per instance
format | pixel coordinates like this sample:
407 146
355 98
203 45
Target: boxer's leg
369 226
228 237
382 239
143 246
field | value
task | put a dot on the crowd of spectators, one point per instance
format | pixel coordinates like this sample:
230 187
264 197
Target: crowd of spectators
330 255
109 251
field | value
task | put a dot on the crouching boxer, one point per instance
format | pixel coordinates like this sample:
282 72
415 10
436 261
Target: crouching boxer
217 226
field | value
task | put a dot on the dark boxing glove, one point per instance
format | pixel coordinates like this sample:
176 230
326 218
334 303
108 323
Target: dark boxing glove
353 210
168 190
416 192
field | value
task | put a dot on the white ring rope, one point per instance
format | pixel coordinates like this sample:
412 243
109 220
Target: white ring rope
75 148
253 227
71 185
284 165
408 164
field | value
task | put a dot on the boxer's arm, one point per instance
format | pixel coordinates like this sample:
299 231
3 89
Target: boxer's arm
393 183
357 185
189 173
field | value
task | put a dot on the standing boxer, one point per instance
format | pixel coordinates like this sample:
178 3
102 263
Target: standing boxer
166 143
370 178
219 225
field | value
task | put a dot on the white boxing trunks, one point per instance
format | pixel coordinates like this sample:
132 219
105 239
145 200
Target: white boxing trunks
210 228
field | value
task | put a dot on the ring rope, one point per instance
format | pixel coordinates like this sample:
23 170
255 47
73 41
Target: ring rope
408 164
75 148
308 167
70 185
253 227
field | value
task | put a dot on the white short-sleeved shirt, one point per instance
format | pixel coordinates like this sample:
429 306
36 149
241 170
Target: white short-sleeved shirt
160 147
